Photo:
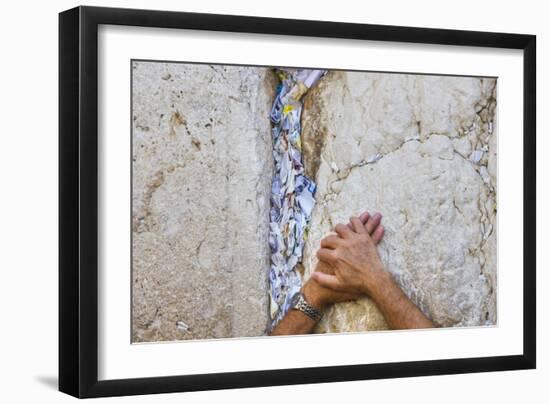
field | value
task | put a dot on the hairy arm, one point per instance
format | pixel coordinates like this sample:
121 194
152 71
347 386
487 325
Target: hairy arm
296 322
398 310
358 269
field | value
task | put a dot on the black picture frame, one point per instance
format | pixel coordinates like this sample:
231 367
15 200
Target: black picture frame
78 200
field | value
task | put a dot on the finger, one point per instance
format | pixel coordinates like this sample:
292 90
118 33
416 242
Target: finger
345 297
322 266
363 217
330 242
358 226
378 234
328 281
326 255
373 222
343 230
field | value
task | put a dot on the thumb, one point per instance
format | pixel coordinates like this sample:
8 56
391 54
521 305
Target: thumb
326 280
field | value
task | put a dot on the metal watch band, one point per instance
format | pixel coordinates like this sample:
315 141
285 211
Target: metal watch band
300 303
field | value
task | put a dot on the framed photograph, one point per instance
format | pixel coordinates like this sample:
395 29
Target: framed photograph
250 201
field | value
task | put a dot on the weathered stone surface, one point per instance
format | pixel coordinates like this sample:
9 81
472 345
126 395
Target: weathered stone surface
421 150
201 180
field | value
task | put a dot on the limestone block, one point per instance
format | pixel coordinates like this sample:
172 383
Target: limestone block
202 170
422 151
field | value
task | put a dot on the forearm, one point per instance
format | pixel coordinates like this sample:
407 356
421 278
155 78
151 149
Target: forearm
398 310
296 322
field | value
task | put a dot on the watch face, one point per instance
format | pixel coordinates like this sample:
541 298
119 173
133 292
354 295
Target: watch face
295 299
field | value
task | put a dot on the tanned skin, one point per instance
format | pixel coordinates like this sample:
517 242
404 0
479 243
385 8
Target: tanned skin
349 268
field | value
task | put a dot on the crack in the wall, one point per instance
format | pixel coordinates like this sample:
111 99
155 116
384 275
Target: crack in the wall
314 129
142 222
292 191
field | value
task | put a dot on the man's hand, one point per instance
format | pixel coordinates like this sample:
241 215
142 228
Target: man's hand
349 267
359 270
353 256
320 296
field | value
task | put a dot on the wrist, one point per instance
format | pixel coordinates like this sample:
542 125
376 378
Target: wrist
377 280
313 296
382 284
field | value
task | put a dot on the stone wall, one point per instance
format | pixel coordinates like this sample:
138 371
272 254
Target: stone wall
419 149
422 151
202 169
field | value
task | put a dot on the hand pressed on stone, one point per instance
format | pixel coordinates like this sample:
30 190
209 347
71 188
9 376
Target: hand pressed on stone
320 296
353 256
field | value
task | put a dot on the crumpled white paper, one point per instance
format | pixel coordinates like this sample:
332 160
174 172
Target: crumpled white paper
292 193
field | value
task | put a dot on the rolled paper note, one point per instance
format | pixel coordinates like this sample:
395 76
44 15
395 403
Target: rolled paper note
292 193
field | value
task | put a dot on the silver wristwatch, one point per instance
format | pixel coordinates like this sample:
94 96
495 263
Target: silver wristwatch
299 302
